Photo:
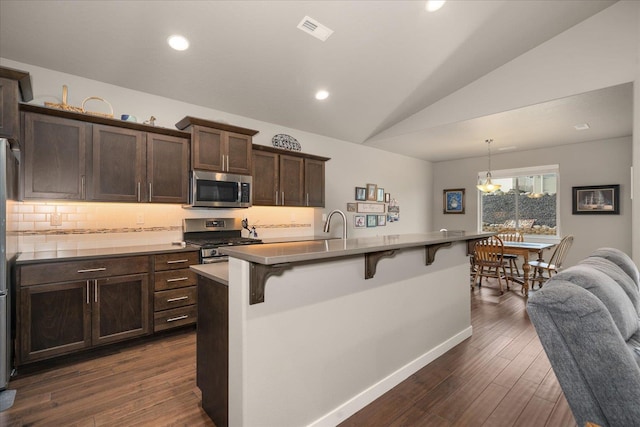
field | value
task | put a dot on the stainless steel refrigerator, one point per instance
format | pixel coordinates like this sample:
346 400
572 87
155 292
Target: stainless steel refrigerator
8 254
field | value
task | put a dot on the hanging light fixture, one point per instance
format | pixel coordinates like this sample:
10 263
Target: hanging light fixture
488 186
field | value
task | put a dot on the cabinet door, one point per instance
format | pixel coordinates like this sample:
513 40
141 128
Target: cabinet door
120 308
118 165
291 181
314 182
9 115
54 157
238 151
207 149
167 169
54 319
266 170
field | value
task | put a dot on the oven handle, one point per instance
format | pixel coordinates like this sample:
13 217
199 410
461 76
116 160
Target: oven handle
214 259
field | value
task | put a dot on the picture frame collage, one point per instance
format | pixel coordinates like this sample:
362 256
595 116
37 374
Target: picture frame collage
373 207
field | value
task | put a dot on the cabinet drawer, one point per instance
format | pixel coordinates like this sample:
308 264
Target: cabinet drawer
175 317
175 261
51 272
174 298
173 279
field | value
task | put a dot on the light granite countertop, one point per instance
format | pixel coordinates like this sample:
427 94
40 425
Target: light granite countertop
72 254
218 271
277 253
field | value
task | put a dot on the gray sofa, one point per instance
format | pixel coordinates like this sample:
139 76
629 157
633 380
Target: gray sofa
587 318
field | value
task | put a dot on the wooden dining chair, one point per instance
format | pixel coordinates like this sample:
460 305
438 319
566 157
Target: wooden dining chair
489 261
540 267
511 236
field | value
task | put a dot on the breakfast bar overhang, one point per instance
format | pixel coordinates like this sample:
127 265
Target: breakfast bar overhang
325 327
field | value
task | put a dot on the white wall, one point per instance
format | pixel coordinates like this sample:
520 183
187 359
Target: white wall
590 163
326 341
406 179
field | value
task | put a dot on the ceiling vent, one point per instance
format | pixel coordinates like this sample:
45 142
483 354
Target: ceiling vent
316 29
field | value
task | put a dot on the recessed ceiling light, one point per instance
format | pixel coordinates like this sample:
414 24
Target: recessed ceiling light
433 5
178 42
582 126
322 94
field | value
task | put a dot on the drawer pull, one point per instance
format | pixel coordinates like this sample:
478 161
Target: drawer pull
92 270
173 319
177 299
178 261
177 279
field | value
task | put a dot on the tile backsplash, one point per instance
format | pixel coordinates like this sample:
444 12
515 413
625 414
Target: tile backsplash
44 226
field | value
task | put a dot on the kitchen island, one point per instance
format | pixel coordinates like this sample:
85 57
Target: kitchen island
340 323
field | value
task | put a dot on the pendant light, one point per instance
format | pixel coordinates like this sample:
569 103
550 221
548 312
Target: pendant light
488 186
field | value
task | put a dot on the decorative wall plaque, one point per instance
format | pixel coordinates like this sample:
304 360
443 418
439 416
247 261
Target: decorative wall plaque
286 142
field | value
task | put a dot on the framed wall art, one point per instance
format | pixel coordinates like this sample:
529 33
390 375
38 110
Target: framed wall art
382 220
359 221
453 201
372 220
371 207
352 207
372 192
361 193
596 200
380 195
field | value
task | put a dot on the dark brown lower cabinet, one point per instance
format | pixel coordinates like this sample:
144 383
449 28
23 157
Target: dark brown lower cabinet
61 318
212 351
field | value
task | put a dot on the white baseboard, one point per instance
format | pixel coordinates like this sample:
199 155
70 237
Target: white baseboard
367 396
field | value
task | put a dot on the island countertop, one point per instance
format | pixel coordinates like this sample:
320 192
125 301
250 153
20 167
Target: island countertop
278 253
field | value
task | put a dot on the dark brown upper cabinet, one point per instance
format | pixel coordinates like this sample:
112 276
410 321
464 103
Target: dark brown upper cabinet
76 157
54 161
218 147
15 85
285 178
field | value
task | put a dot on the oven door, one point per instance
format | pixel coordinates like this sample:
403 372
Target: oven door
220 190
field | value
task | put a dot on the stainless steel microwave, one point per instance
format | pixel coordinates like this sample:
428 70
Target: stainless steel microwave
219 190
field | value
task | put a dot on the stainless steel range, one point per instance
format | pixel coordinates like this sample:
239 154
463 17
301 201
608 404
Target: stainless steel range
209 234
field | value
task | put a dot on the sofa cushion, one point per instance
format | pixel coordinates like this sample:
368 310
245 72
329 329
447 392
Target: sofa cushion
600 380
609 292
616 273
621 259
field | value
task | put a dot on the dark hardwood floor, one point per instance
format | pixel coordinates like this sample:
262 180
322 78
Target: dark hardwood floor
498 377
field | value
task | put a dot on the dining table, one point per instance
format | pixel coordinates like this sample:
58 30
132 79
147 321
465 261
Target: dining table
524 249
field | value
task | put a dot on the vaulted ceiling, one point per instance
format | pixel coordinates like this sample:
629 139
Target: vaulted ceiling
385 61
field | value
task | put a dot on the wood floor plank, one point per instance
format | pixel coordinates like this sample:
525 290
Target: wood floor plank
510 408
483 406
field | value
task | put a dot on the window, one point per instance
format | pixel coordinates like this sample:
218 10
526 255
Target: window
527 202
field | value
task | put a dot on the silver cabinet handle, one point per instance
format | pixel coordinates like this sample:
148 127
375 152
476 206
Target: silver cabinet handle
307 199
177 299
139 195
150 192
87 292
92 270
276 198
283 198
173 319
227 163
177 261
95 290
177 279
83 194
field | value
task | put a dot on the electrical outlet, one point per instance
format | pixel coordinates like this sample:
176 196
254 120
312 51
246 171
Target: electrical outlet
140 218
56 219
